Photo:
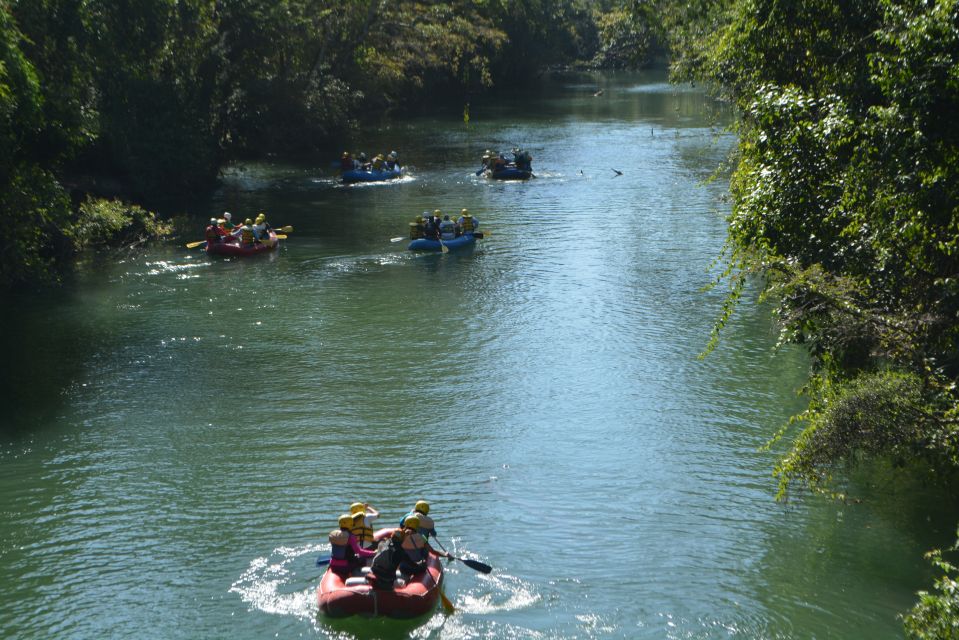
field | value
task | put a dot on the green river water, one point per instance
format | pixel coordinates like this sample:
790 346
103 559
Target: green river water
181 432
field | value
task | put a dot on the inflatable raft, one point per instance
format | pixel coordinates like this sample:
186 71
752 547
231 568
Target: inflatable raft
338 599
235 249
509 173
370 175
424 244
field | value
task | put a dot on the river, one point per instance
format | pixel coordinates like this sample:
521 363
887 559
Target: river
181 433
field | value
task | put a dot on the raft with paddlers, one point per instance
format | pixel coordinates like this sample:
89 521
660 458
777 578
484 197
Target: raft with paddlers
228 248
357 596
426 244
370 175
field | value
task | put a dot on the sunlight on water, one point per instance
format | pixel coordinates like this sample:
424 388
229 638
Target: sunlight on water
266 585
175 416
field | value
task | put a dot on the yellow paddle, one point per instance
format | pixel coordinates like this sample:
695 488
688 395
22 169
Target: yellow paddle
447 605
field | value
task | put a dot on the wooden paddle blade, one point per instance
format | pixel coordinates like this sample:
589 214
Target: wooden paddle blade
447 605
194 245
476 564
280 236
286 229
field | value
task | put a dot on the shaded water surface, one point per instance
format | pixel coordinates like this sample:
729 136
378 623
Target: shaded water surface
182 432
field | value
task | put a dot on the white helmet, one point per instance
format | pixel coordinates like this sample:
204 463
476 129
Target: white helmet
227 215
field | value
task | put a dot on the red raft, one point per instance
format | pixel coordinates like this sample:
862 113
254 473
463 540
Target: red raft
416 598
235 249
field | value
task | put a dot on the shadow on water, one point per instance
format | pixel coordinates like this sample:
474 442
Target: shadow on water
44 356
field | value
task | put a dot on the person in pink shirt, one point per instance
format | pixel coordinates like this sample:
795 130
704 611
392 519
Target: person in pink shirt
346 554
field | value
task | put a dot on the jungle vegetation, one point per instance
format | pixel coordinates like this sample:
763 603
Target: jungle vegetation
128 98
846 210
845 193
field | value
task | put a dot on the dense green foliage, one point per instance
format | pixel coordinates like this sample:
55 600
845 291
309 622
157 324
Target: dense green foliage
936 615
846 199
846 206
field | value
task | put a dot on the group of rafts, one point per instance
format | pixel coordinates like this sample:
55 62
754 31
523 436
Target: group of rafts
392 572
427 233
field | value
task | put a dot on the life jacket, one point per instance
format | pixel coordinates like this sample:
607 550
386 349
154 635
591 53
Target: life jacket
259 230
415 549
246 235
363 532
212 233
416 230
340 542
377 164
447 230
466 224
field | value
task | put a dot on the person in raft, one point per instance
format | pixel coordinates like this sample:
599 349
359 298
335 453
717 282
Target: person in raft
213 234
416 550
467 223
392 161
261 229
363 516
228 222
420 511
387 560
417 228
346 162
247 235
346 554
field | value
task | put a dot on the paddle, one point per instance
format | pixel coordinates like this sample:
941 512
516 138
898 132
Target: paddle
481 171
447 605
322 561
194 245
472 564
397 239
443 247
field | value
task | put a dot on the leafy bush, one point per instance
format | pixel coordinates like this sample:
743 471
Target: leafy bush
936 615
112 223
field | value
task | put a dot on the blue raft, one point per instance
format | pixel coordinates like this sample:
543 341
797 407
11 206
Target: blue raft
424 244
509 173
370 175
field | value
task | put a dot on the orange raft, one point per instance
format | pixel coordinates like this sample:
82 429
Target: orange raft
416 598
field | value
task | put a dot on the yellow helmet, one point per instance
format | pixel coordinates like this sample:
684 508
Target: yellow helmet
247 221
346 154
464 212
359 515
419 218
412 522
422 506
357 506
437 212
260 218
345 520
221 222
